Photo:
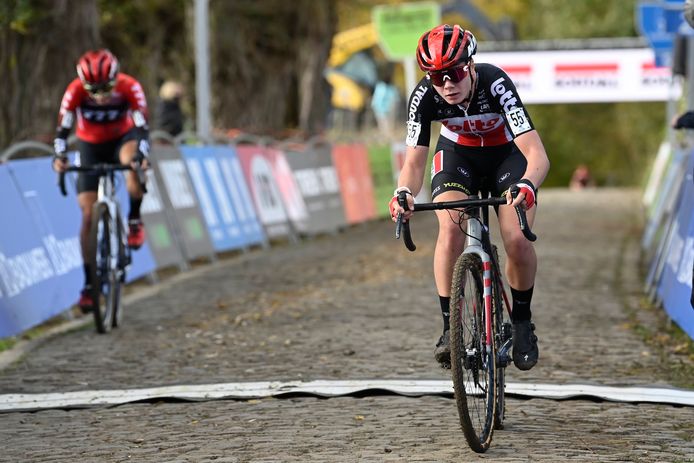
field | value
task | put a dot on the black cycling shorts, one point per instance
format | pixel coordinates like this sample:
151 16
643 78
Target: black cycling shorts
471 169
99 153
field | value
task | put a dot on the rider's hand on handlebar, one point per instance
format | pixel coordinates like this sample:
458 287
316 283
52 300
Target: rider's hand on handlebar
395 208
140 161
142 164
521 194
60 163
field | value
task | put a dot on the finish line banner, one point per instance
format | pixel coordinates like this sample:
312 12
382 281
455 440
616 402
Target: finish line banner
585 76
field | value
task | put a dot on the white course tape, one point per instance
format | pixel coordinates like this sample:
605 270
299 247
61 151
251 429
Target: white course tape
329 388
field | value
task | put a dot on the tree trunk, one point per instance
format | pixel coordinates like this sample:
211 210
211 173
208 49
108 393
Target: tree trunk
39 43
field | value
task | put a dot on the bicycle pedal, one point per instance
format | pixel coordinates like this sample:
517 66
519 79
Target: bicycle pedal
503 356
506 332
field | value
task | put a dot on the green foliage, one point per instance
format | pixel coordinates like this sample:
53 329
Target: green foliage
21 16
382 175
552 19
616 141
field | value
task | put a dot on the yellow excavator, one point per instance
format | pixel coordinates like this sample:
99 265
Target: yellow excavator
348 94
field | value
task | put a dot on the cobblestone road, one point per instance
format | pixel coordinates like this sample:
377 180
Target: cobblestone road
357 305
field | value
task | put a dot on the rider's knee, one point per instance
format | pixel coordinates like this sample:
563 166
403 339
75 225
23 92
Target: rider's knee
449 233
518 248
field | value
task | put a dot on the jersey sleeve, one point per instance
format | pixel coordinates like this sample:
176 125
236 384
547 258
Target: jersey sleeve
419 115
68 105
508 103
137 102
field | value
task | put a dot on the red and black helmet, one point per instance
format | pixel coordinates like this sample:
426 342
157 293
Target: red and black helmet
445 47
97 70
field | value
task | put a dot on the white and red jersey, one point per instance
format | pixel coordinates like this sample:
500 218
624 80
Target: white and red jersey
494 117
110 120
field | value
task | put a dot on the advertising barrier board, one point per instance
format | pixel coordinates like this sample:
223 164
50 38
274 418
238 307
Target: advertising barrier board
317 180
675 284
179 196
223 194
38 274
356 186
267 196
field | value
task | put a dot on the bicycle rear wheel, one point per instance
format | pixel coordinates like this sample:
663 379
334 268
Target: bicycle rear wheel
473 360
100 264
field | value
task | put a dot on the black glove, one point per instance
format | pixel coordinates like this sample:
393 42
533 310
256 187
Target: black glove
685 121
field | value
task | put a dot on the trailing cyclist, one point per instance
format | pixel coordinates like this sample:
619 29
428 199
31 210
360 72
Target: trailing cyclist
111 114
488 141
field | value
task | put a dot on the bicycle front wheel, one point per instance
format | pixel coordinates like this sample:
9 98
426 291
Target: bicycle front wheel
101 268
502 338
119 274
473 356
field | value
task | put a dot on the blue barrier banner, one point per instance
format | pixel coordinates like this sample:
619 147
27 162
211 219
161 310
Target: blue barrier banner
240 194
38 278
224 198
57 220
675 286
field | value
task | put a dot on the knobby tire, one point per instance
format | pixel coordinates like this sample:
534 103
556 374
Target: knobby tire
99 265
497 300
473 365
119 278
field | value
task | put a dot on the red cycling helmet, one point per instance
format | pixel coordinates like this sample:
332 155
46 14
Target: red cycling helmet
445 47
97 70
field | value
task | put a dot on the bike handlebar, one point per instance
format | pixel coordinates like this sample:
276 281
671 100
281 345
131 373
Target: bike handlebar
404 227
101 169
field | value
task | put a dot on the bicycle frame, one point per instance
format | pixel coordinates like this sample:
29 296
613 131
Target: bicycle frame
106 194
108 252
475 245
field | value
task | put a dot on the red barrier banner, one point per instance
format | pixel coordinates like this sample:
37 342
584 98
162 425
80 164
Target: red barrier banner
275 193
356 184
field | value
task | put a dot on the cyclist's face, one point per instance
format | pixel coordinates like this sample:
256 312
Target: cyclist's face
456 92
100 94
100 98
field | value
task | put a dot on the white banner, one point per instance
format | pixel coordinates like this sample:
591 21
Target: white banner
585 76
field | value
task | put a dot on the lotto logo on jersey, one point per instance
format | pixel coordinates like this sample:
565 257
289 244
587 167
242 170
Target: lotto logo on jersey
437 164
506 98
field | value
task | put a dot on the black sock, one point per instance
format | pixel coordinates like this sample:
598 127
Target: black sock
134 208
87 275
445 311
521 304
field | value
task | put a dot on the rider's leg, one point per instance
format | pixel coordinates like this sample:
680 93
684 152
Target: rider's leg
127 153
521 261
86 200
449 245
521 267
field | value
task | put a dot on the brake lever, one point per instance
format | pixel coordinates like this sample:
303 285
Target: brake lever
402 225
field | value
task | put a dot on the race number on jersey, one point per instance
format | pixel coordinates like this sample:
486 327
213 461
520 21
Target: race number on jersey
413 131
518 121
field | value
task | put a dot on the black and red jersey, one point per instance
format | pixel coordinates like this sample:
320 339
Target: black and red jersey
494 117
99 123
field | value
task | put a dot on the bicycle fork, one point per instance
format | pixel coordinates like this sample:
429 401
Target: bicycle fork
503 356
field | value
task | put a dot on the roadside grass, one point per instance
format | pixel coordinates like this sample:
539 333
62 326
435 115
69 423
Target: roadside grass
673 346
35 332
